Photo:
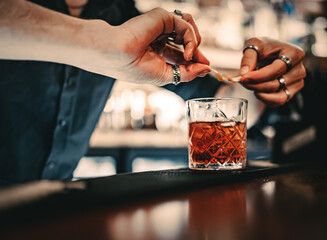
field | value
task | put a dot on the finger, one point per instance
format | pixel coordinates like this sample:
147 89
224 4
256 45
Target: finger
146 28
249 61
193 70
189 18
294 52
279 98
250 56
174 55
267 87
272 71
296 74
186 36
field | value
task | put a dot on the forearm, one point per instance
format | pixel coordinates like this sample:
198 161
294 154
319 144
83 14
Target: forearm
31 32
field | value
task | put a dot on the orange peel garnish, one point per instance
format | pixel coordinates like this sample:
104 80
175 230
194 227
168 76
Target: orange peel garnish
223 77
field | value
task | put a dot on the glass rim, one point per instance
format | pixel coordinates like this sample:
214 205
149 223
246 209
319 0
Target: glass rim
207 99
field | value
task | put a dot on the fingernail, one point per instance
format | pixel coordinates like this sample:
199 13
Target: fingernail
187 57
188 54
236 79
244 70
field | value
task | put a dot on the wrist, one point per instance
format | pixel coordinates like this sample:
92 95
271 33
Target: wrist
101 48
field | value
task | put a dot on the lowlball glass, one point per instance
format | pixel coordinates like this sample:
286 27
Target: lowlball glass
217 133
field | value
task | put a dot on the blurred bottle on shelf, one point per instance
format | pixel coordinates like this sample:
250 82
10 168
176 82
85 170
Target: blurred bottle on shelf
143 108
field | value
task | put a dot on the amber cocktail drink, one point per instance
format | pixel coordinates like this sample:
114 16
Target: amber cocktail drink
217 133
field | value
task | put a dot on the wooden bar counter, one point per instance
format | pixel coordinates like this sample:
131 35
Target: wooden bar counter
275 204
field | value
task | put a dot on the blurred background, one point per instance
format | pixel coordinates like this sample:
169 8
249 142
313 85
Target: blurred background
145 128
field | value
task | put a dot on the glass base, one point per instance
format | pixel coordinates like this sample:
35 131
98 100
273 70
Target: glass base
230 166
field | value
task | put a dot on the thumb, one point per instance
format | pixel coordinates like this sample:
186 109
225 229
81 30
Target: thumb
191 71
249 61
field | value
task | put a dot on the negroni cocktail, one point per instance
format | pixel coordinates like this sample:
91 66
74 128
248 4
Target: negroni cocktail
217 133
217 144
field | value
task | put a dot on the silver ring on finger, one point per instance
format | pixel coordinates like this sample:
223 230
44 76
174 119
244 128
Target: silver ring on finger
287 61
178 13
288 95
282 83
176 74
254 47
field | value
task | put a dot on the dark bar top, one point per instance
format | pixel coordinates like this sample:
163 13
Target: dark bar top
260 202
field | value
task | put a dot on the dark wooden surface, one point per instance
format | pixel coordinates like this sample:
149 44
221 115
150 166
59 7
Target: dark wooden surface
290 205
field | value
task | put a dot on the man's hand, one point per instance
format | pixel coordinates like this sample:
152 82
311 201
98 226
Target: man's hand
136 51
146 43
